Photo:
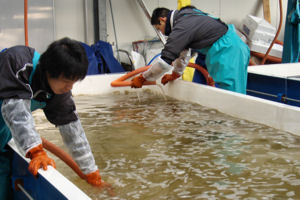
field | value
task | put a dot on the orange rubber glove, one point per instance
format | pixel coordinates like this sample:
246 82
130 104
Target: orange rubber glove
94 178
138 81
39 159
169 77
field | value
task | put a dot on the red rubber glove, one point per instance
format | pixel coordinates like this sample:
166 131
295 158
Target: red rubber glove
169 77
94 178
138 81
39 159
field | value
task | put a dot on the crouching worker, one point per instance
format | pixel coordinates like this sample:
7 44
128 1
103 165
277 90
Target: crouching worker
29 81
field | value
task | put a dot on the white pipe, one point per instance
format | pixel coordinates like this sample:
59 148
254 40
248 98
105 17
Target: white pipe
85 21
115 32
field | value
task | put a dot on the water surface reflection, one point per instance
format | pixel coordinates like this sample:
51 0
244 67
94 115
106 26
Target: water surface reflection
152 148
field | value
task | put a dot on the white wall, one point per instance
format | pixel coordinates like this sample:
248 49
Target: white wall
69 19
130 21
40 23
132 25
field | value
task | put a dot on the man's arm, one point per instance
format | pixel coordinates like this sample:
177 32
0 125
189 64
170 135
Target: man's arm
18 117
75 139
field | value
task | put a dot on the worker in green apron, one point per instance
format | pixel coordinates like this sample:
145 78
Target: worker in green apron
226 55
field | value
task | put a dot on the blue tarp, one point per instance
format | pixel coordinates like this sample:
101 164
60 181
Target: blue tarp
101 59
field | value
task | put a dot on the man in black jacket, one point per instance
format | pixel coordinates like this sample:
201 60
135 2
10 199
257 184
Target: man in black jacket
29 81
226 55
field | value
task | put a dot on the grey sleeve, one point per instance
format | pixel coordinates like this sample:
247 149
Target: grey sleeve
18 117
75 139
182 61
178 40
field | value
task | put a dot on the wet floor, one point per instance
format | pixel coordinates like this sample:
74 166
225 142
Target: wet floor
151 148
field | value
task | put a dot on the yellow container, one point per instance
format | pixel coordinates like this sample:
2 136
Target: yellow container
188 73
182 3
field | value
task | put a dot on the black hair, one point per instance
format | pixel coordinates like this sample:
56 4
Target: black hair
65 57
157 13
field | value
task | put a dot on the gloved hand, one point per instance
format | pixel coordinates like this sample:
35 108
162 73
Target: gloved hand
94 178
39 158
138 81
169 77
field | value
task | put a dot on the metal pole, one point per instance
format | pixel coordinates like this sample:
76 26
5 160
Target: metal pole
25 192
102 20
85 5
160 35
96 20
116 39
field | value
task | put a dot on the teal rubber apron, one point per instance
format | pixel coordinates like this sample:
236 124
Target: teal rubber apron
228 73
291 45
5 136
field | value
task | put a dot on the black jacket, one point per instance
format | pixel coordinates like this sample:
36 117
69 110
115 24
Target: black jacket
190 30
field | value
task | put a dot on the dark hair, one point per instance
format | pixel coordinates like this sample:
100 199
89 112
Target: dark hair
65 57
157 13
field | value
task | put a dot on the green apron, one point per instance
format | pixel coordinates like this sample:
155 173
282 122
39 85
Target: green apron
230 74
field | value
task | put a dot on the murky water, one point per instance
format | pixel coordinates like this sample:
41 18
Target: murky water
152 148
